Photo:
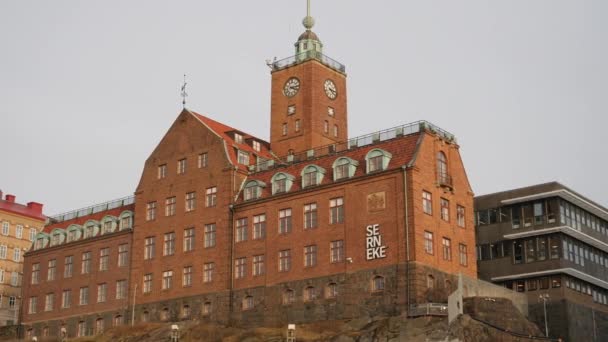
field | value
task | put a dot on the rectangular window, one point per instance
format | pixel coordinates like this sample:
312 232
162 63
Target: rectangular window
19 231
49 302
428 242
310 216
188 239
5 228
239 268
544 283
3 251
331 112
148 283
284 130
447 249
123 255
187 276
462 250
68 266
169 244
170 206
542 248
518 252
310 256
259 226
33 305
84 296
284 260
181 166
532 284
102 292
427 202
243 158
208 269
121 289
298 125
336 210
258 265
33 233
375 163
151 211
1 277
211 197
256 145
336 251
445 210
530 250
162 171
309 178
539 213
16 254
210 235
190 201
167 280
291 110
460 216
149 248
238 138
203 160
12 302
554 247
66 299
104 259
52 266
85 266
241 229
284 221
516 216
15 278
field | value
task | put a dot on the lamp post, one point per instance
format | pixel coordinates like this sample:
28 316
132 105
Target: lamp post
174 333
291 333
544 297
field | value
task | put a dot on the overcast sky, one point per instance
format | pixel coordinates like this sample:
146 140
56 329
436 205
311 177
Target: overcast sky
88 88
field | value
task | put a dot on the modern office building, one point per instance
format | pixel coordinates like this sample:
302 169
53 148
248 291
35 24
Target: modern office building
19 225
552 243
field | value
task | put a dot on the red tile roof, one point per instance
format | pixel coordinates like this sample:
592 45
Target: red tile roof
83 219
223 131
20 209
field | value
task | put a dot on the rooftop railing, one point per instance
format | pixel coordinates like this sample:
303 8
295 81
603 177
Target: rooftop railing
308 55
364 140
91 210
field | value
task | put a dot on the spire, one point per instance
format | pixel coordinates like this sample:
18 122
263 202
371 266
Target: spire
308 42
308 21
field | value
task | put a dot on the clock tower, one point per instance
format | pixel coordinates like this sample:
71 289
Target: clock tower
308 97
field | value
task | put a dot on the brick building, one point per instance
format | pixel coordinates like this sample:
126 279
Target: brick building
19 225
551 243
311 225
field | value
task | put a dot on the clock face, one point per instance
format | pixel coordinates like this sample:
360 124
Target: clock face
292 86
330 89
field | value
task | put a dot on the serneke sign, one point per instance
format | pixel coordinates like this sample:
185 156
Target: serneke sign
375 249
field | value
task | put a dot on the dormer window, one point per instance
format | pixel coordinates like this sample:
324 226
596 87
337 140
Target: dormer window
377 160
281 182
238 138
39 243
126 220
312 175
89 231
253 190
73 234
256 145
344 168
243 158
56 238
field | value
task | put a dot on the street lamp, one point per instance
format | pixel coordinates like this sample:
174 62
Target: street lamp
174 333
291 333
544 297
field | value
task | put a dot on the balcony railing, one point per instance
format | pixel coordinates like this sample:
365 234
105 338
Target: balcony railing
91 210
445 180
428 309
305 56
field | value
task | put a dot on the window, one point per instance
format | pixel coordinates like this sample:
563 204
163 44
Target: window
344 168
325 126
442 169
248 303
258 265
331 290
1 277
427 202
310 294
3 251
207 308
284 221
241 229
56 239
377 160
16 254
19 231
556 282
33 233
243 158
378 284
33 305
84 296
121 289
554 247
68 265
104 259
82 329
445 210
447 249
284 129
239 268
106 228
298 125
281 182
169 244
123 255
50 273
5 228
291 110
518 254
532 284
188 239
238 138
89 231
462 251
187 276
460 216
170 206
151 211
211 197
164 314
167 280
310 216
336 251
430 281
149 248
15 278
85 266
49 302
331 112
203 160
289 296
102 292
312 175
181 166
336 210
544 283
190 201
256 145
162 171
66 299
310 256
284 260
148 283
335 130
530 250
428 242
259 226
209 235
73 235
208 269
253 190
542 248
186 311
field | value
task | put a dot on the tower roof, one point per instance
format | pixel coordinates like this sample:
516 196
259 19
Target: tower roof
308 35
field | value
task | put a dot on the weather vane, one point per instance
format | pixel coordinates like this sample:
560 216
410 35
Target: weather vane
184 94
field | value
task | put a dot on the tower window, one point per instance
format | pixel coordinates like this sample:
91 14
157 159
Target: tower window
298 125
284 128
331 112
326 127
335 130
291 110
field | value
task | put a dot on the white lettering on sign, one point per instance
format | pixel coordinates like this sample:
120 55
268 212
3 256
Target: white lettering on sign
375 249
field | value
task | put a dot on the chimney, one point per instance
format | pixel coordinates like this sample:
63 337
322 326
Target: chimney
0 195
10 198
35 206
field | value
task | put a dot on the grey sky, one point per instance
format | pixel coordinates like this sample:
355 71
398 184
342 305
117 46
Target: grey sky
88 88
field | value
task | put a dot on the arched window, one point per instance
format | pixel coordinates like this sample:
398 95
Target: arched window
378 284
164 314
186 311
74 232
344 167
90 229
145 316
289 296
108 224
57 237
207 308
448 286
331 290
281 182
312 175
377 160
430 281
253 190
310 293
248 303
118 320
99 326
443 176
